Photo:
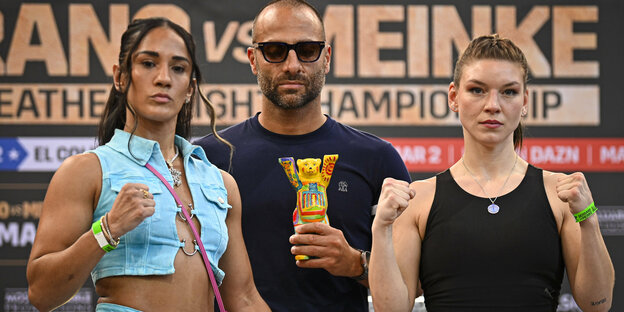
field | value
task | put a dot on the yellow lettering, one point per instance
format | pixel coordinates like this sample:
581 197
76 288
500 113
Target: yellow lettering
85 27
243 36
50 50
32 209
522 35
170 11
371 40
215 49
448 30
1 38
481 20
5 210
339 29
565 41
417 41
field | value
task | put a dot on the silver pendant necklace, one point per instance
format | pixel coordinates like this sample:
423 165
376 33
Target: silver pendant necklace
175 173
492 208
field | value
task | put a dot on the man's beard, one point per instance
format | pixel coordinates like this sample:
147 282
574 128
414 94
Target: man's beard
313 87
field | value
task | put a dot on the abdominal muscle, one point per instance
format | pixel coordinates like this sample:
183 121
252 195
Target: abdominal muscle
188 289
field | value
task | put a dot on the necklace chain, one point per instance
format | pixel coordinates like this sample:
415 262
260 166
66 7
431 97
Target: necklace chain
175 173
177 152
481 186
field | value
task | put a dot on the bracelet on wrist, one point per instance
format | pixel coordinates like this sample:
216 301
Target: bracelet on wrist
111 240
106 235
586 213
96 228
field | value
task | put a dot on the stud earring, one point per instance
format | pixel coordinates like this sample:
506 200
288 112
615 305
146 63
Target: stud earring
524 112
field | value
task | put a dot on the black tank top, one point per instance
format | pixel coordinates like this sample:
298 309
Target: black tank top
476 261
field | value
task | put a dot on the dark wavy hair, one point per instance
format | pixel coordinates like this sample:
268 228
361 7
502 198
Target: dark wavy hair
497 48
114 116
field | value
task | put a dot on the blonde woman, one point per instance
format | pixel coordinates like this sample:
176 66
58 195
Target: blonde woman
493 232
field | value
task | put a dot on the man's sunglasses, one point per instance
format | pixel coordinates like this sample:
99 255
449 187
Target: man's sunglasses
277 52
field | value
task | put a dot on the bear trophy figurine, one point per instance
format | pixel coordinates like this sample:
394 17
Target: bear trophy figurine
310 182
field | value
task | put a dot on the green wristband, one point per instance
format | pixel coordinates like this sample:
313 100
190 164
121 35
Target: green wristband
99 236
586 213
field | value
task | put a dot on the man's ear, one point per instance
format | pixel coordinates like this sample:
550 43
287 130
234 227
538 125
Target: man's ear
328 59
252 60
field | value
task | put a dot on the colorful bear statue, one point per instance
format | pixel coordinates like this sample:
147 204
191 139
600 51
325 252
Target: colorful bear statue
310 181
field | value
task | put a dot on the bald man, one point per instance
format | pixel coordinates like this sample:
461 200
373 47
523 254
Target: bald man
290 58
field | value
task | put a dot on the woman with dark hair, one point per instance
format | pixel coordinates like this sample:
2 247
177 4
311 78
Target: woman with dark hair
493 232
134 212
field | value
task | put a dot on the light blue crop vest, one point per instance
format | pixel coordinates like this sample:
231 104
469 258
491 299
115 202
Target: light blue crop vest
151 247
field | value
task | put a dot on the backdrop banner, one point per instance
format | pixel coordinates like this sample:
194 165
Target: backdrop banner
391 65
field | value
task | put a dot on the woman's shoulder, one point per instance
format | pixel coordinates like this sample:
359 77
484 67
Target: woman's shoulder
88 162
420 205
228 181
551 173
78 173
424 187
227 178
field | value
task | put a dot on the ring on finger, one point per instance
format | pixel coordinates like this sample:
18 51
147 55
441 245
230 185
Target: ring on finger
145 193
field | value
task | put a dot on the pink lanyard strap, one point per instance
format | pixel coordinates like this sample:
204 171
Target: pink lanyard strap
195 233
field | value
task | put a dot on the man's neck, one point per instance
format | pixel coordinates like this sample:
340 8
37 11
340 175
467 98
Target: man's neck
291 121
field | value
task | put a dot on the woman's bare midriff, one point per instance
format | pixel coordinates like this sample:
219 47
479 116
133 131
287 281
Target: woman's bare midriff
188 289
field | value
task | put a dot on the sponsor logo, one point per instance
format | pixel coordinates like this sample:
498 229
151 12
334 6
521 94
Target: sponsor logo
342 186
